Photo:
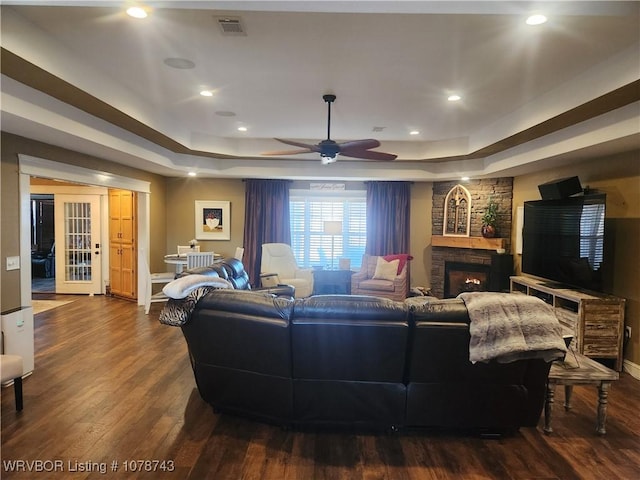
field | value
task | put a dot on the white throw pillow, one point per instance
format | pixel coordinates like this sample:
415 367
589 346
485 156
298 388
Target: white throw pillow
386 270
183 286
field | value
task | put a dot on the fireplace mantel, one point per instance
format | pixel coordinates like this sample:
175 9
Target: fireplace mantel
480 243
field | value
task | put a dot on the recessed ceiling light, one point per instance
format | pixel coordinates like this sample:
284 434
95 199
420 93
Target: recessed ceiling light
242 129
537 19
465 179
181 63
192 174
206 93
454 98
137 12
414 132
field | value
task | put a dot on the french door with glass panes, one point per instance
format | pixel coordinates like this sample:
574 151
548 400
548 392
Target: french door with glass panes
78 264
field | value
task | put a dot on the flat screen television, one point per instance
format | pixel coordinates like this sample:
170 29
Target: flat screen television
563 240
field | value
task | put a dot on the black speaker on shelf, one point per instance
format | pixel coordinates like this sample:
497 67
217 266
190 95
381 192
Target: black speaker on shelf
562 188
501 270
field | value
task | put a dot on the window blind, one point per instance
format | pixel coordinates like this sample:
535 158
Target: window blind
308 212
592 234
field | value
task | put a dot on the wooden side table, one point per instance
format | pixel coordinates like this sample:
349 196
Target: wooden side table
577 369
327 282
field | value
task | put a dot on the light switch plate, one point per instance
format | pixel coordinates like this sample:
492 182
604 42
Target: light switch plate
13 263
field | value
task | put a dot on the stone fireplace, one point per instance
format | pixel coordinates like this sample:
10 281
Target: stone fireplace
474 260
475 254
465 277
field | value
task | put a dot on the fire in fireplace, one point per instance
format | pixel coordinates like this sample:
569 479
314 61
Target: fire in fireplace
465 277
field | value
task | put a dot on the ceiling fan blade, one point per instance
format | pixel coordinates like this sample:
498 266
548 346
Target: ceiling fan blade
288 152
329 149
366 144
368 154
312 148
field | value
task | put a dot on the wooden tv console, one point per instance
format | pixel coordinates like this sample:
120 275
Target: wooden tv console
596 319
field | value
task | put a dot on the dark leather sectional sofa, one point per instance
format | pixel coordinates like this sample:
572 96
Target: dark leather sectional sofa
359 361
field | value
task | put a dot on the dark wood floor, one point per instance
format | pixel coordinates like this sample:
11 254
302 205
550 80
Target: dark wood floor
43 285
112 384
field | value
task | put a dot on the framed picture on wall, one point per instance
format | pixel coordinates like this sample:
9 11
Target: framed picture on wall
213 220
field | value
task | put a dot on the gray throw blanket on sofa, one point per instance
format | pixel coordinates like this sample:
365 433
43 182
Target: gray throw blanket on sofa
509 327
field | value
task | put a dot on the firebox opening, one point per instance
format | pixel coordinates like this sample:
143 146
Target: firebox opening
465 277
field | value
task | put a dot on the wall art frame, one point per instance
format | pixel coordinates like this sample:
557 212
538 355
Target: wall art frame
213 220
457 212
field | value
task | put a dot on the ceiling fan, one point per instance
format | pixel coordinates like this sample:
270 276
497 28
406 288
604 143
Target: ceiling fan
329 149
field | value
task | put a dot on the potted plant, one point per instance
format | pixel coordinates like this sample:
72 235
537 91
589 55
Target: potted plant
489 219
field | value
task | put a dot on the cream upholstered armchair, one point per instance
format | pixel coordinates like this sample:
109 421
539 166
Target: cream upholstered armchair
382 276
278 259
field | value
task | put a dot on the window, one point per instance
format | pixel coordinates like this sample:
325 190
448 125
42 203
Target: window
308 212
592 234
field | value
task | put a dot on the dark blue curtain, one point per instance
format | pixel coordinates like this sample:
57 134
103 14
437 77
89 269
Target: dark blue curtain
388 209
266 221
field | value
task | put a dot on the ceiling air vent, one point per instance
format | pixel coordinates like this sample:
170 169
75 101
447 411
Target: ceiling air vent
231 25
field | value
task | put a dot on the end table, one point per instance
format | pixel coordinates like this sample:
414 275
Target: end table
326 282
577 369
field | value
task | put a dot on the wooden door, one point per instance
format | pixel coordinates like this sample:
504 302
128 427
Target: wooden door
121 216
122 245
127 217
128 270
115 269
114 216
78 265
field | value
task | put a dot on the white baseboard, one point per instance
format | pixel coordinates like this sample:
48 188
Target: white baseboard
631 368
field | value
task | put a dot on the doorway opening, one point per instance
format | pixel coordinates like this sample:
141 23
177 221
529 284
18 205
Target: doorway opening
43 266
46 169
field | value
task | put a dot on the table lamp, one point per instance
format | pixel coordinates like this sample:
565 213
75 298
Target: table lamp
333 228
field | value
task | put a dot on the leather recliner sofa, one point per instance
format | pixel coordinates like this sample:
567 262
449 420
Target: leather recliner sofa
354 360
232 270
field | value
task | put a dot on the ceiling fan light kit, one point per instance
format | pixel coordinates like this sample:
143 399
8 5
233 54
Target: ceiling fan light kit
329 149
